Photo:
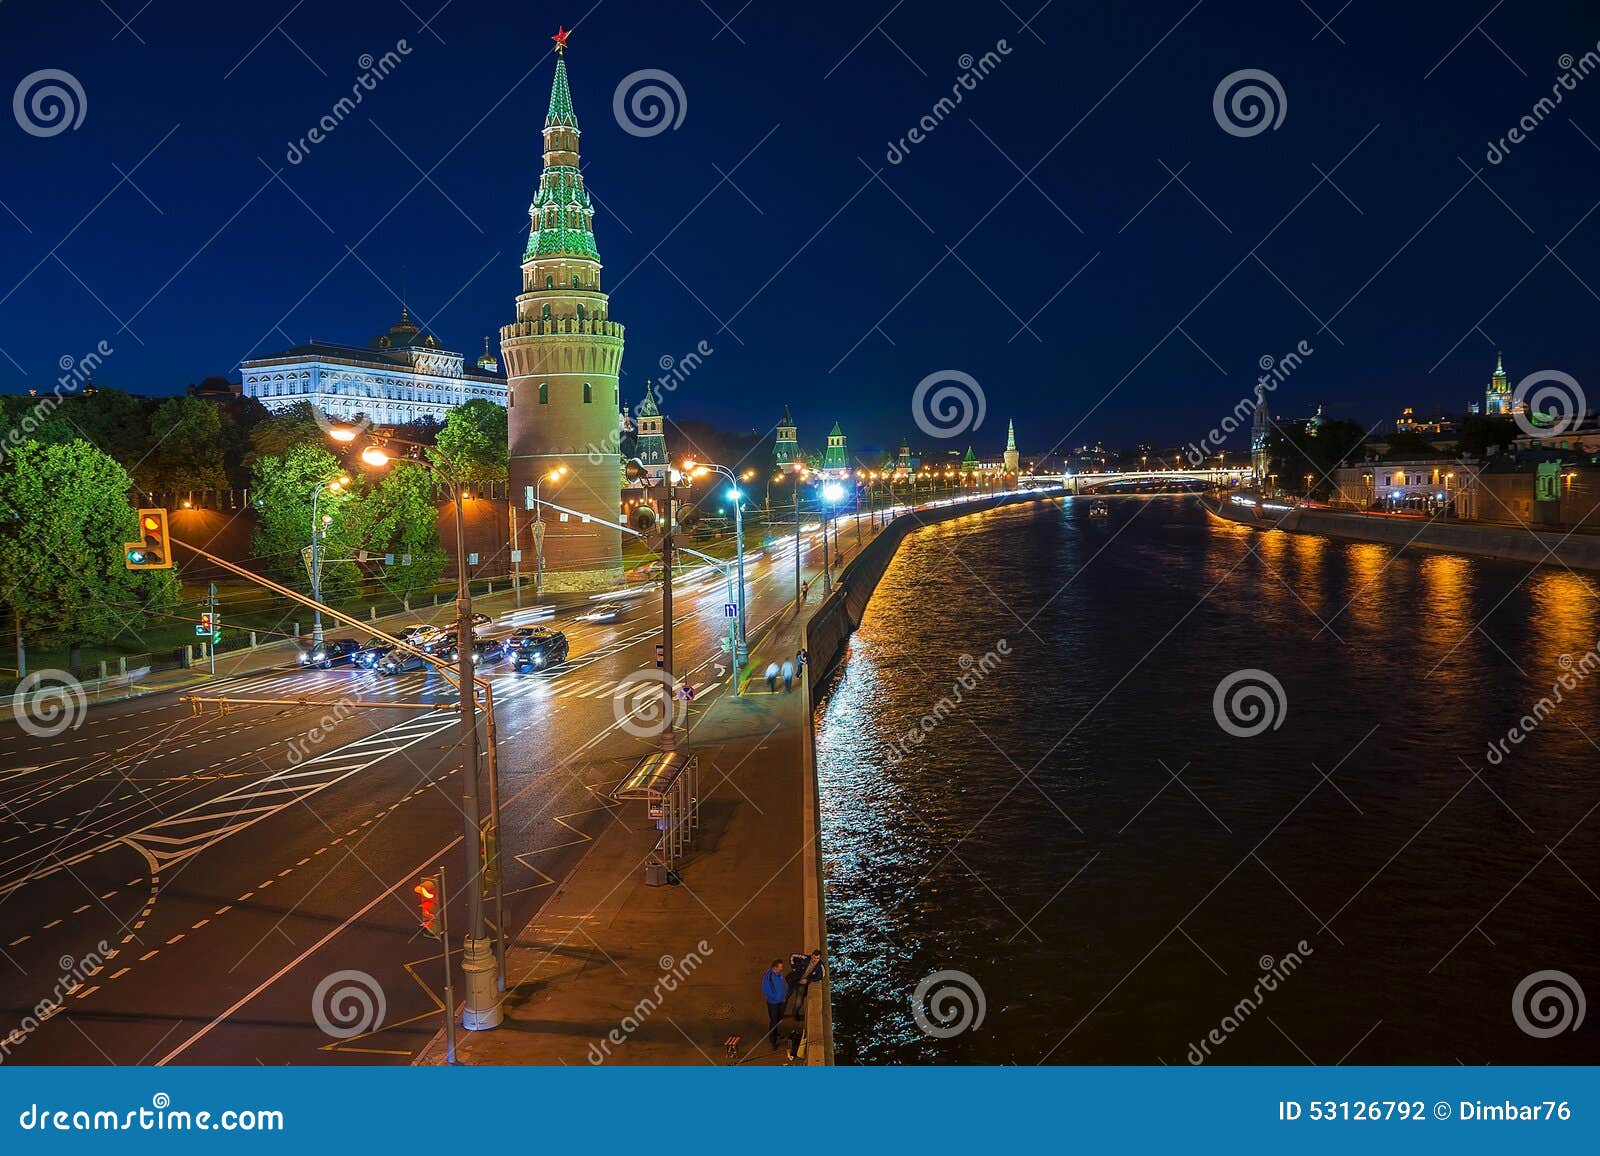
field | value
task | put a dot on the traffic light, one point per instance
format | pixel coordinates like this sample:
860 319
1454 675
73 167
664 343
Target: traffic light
427 892
153 550
205 622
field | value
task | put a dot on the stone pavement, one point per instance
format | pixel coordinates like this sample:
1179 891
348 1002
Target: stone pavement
614 971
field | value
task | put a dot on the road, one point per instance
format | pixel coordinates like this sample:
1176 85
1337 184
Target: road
220 867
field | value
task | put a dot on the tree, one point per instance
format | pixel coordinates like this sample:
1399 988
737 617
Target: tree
281 489
472 446
1408 444
112 421
292 426
64 519
1483 433
399 517
186 445
1300 448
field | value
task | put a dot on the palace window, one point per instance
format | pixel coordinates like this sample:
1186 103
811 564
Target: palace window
588 393
575 284
549 281
544 393
546 312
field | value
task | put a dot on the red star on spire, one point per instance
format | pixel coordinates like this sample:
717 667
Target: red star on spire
561 39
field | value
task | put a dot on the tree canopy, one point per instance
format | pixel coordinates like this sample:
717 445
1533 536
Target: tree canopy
472 445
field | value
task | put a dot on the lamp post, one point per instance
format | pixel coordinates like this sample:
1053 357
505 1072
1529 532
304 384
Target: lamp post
831 493
333 485
479 964
554 475
742 648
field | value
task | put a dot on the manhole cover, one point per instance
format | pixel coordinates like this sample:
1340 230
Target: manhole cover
721 1011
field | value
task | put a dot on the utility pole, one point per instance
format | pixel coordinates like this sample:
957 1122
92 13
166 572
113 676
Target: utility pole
668 689
216 627
797 543
827 570
516 554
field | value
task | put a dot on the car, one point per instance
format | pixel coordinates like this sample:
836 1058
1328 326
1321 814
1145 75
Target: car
372 653
540 651
431 638
605 613
443 648
479 621
413 633
400 661
329 652
488 650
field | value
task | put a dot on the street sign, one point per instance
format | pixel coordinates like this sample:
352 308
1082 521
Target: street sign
730 610
388 559
661 655
472 559
405 559
516 555
527 497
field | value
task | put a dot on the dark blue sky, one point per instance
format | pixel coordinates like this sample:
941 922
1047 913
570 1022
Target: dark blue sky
816 283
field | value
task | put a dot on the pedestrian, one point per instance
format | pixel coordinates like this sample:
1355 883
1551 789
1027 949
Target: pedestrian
798 966
788 675
805 590
811 972
800 659
772 677
776 990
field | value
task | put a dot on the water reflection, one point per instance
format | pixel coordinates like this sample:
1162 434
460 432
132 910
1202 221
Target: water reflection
1080 836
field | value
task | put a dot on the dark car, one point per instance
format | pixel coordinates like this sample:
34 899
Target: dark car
372 653
329 653
488 650
398 662
540 651
445 648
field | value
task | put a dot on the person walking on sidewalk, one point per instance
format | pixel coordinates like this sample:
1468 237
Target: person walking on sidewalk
776 990
772 677
788 675
805 589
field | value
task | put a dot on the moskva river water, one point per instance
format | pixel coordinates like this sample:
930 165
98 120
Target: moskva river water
1151 787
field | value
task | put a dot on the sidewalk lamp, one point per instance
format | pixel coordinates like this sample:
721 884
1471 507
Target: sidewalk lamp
832 494
319 527
554 475
736 496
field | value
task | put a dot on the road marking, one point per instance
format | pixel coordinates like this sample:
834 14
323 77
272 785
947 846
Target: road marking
120 974
148 954
52 923
175 938
198 926
304 955
17 942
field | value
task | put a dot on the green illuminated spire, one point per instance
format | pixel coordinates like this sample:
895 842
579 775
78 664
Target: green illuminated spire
561 99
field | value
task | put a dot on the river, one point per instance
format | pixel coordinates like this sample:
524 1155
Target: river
1117 878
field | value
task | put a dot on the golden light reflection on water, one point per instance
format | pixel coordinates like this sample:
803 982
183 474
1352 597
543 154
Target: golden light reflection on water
1370 579
1443 615
1565 616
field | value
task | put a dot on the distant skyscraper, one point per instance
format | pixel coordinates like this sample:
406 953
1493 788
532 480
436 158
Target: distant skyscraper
786 444
562 355
1497 398
1012 459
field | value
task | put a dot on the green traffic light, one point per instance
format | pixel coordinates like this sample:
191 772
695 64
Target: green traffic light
137 557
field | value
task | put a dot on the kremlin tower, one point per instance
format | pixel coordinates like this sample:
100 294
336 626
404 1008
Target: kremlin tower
561 356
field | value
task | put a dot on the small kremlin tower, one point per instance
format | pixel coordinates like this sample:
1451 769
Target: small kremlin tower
1012 458
562 355
786 443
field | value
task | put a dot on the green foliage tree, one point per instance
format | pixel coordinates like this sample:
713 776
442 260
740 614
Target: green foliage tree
112 421
273 437
472 446
186 448
399 517
1408 444
64 519
1299 448
1483 433
280 490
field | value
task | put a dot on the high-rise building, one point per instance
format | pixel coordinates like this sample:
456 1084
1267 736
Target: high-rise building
562 355
1011 458
1259 430
786 443
1497 398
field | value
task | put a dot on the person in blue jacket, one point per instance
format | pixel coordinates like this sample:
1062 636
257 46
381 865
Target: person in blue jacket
776 990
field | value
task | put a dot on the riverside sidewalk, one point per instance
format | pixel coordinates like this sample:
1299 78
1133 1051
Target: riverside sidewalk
613 971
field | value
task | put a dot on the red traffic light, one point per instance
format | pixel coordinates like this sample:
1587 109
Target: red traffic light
427 893
153 550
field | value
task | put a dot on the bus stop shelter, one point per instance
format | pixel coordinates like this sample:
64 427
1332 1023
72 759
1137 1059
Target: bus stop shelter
669 784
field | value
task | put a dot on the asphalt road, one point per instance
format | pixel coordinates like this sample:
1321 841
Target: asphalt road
226 866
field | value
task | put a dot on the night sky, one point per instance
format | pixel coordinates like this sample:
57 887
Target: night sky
771 225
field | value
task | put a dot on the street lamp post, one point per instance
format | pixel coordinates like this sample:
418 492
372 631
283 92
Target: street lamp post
831 493
538 527
742 647
333 486
479 965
